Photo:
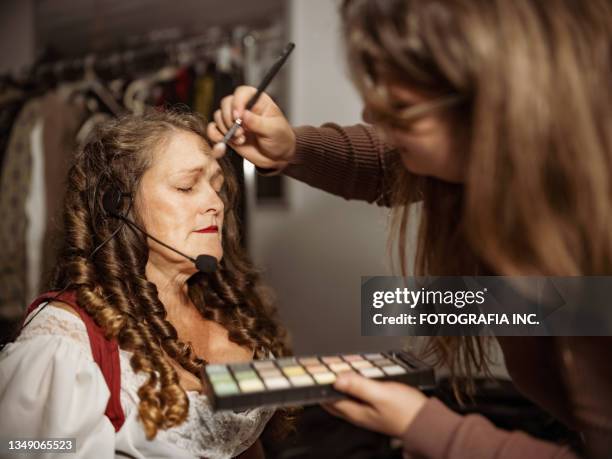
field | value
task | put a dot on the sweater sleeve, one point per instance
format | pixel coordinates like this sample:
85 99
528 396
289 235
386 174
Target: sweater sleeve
437 432
352 162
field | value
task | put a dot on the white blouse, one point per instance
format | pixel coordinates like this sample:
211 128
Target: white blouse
51 387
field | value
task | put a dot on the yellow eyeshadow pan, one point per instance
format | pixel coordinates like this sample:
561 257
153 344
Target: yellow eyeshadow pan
241 375
301 380
291 381
250 385
294 371
313 369
325 378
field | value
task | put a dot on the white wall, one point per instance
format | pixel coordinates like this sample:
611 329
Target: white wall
316 251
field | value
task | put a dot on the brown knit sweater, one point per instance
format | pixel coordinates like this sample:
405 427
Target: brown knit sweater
571 378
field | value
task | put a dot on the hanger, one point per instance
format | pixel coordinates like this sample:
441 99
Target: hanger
90 82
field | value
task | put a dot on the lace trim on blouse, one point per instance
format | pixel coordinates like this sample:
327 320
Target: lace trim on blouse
204 433
52 321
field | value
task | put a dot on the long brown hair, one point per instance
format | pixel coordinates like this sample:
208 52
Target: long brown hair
534 78
111 286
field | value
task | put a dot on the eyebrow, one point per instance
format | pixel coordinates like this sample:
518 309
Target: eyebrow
218 172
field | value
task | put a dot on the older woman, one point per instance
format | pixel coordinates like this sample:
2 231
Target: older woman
167 318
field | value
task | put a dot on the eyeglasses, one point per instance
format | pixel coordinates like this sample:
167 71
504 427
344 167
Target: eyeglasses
381 113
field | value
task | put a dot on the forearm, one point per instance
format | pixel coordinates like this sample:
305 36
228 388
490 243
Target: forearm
437 432
351 162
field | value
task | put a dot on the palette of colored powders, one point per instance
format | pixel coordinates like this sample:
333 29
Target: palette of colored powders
306 380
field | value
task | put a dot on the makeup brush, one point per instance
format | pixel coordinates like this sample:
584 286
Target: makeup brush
220 147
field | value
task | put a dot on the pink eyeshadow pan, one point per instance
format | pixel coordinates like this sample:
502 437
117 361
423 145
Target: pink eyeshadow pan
339 367
352 358
317 369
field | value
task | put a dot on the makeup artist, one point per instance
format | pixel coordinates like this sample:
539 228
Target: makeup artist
497 115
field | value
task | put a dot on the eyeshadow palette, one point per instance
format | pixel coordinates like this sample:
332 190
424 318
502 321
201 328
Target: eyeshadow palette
295 381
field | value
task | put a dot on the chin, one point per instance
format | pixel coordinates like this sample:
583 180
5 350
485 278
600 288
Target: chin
413 165
217 252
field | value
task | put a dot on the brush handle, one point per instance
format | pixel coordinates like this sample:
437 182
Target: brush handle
270 75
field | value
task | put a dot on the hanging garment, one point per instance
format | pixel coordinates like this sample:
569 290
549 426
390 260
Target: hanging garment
61 124
178 91
14 188
11 103
35 210
203 96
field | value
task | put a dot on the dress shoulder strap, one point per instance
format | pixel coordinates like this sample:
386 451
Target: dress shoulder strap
105 353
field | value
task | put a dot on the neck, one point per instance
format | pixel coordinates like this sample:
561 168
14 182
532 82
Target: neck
171 287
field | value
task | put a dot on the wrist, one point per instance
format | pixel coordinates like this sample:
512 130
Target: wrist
276 169
409 420
290 154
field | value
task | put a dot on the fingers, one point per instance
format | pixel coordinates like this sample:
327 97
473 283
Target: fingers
329 407
218 117
257 124
357 413
229 115
362 388
213 132
215 136
242 94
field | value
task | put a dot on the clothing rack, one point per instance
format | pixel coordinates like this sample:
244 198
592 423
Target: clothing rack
152 52
70 97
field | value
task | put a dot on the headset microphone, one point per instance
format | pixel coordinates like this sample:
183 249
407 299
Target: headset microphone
111 201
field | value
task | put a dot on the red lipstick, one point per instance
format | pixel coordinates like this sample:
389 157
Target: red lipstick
209 229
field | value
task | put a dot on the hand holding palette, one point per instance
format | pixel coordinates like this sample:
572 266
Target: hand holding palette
306 380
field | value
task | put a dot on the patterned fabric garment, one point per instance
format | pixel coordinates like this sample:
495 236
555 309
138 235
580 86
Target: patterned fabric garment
14 187
74 395
204 433
61 123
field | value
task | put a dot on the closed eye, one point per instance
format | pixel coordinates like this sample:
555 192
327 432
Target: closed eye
185 190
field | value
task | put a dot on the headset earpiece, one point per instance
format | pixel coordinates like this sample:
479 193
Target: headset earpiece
112 201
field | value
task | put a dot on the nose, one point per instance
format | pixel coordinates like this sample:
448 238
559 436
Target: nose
212 203
366 115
